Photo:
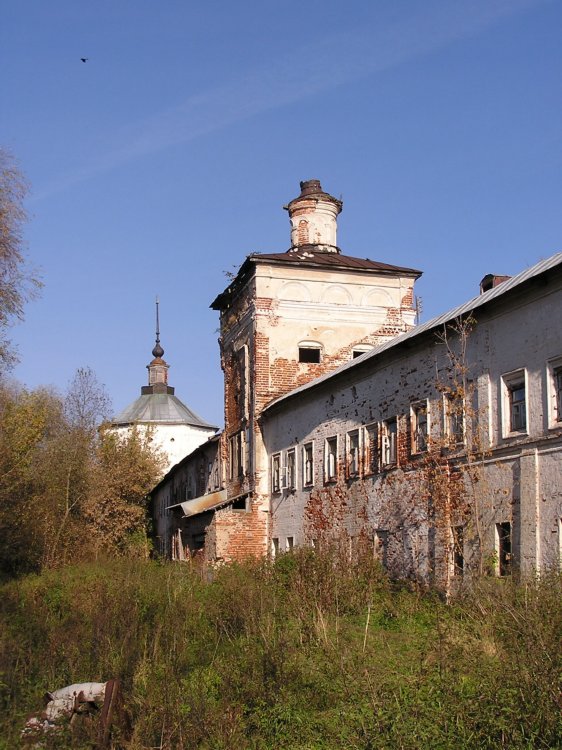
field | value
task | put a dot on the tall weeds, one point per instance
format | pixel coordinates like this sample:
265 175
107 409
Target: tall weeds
307 652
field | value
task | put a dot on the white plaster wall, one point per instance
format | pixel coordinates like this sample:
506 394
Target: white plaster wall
522 473
175 440
334 308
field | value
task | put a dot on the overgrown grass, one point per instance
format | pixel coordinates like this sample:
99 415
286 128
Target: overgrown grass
308 653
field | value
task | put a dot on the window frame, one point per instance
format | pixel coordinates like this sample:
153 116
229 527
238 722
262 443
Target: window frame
504 551
291 471
554 392
360 349
308 464
312 346
457 551
454 410
353 454
511 382
276 473
389 446
331 459
371 449
419 440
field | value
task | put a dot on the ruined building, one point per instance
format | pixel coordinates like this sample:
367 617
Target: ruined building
436 446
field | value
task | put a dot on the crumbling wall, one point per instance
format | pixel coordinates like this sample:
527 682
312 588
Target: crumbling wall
491 482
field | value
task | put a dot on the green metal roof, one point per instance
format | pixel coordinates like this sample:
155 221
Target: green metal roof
161 408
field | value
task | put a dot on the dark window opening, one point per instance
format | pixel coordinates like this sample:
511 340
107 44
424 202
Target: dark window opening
308 465
309 354
504 548
458 550
240 503
198 541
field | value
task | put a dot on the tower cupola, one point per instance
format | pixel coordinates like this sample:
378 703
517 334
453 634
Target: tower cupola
313 216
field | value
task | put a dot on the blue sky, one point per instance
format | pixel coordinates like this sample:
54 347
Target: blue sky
159 164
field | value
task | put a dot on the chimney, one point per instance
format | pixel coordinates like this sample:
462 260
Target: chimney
313 217
490 281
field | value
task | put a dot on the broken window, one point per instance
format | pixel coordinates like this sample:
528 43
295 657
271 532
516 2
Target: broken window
517 407
360 349
241 381
241 503
389 442
276 473
503 548
236 456
514 402
308 465
554 383
290 543
420 426
458 550
275 546
291 469
353 453
454 418
370 449
331 459
309 353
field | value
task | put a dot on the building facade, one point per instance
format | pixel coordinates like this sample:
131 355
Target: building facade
437 446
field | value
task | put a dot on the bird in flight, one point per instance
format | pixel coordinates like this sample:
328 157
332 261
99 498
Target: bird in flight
84 59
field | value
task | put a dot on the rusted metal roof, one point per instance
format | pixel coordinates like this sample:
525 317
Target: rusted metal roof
307 256
200 504
465 309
